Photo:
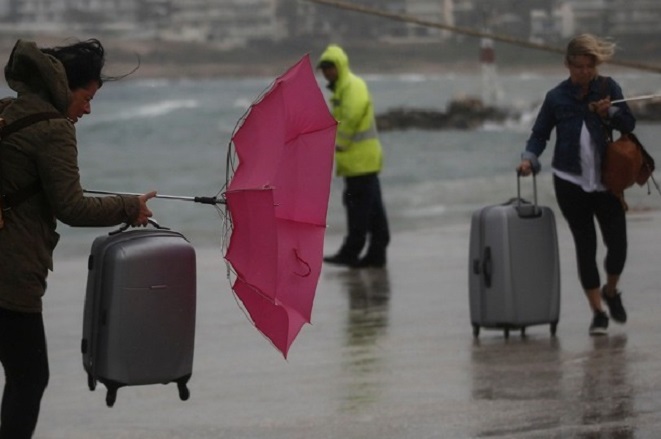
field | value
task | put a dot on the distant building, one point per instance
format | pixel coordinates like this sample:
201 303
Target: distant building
429 10
634 17
63 14
236 23
231 23
342 25
34 14
154 14
618 19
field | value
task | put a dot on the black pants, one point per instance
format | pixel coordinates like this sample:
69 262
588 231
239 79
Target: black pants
24 357
580 209
366 215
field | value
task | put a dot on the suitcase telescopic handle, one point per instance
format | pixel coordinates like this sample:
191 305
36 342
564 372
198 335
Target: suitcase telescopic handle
534 188
523 211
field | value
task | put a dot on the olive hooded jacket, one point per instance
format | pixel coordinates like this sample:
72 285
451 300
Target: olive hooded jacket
46 152
358 150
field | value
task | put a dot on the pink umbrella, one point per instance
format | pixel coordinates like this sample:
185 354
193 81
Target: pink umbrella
278 200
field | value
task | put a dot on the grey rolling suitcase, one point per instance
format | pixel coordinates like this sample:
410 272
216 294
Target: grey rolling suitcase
514 268
139 315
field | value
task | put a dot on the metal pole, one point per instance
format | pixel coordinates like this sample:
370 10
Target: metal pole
637 98
202 200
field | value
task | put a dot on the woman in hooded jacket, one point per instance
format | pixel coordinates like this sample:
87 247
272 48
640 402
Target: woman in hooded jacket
40 183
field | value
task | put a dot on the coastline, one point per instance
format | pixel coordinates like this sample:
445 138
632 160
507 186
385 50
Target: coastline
149 59
238 70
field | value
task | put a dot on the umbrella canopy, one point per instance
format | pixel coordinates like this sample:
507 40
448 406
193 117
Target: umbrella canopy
278 201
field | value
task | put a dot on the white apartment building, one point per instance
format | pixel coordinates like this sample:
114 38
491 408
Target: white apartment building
35 14
639 17
231 23
57 15
609 18
235 23
439 11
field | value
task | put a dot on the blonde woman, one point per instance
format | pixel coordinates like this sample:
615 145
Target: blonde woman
580 111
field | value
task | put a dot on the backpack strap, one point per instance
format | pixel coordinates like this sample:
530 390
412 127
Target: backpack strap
22 194
6 130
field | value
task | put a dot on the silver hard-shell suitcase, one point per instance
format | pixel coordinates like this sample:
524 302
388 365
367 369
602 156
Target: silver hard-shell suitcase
514 268
139 315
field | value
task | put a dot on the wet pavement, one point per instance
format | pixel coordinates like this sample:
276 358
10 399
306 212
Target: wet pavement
390 354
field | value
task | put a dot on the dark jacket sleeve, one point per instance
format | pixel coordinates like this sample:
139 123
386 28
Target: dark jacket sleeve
541 133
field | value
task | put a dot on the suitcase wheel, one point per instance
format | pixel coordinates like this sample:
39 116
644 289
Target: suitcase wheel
507 333
184 393
554 328
91 382
476 331
111 396
523 331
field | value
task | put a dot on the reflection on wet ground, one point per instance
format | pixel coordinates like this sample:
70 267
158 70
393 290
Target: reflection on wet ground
497 370
390 354
584 395
606 393
366 323
411 359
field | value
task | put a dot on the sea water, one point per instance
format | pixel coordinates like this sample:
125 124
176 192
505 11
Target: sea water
173 135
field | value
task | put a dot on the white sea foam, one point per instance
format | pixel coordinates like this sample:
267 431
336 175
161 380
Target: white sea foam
143 111
161 108
242 103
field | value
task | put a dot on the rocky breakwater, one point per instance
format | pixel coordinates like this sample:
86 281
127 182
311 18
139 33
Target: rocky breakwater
463 113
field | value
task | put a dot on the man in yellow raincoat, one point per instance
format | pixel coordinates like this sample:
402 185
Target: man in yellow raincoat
358 159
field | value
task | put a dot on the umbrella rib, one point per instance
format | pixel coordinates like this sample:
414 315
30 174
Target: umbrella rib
303 261
311 132
255 289
307 223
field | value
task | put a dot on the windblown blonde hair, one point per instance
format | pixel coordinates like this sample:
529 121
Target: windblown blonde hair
586 44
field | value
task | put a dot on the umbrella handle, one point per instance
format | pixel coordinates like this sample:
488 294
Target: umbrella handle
209 200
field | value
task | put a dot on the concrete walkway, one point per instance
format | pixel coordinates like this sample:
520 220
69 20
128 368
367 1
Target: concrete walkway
390 354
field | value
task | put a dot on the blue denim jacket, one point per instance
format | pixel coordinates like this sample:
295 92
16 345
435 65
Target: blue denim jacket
564 110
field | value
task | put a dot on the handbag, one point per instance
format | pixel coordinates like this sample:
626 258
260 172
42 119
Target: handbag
626 163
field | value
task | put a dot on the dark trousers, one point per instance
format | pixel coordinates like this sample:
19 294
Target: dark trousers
24 357
580 209
366 215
